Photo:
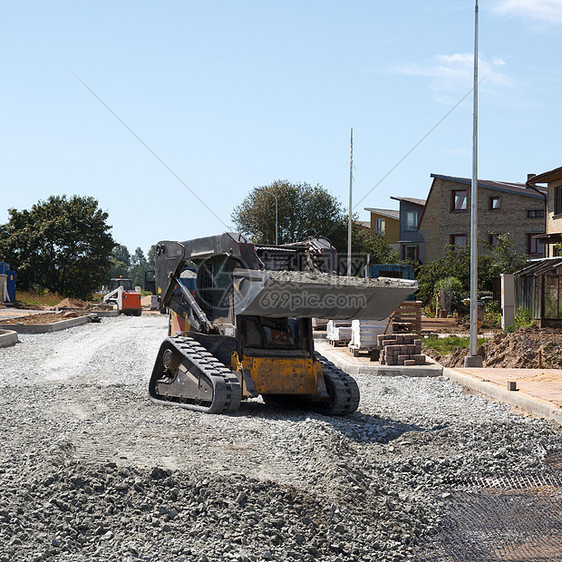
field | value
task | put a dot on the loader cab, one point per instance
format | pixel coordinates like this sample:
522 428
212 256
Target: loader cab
127 284
287 337
215 287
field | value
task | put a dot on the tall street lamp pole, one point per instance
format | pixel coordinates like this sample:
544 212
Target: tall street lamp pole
350 218
473 359
276 213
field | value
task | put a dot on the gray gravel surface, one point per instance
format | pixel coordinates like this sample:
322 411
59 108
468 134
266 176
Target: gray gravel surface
90 469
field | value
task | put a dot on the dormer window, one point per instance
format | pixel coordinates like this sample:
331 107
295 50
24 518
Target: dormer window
458 199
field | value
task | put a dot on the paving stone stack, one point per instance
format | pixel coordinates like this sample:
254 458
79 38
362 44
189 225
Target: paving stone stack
400 349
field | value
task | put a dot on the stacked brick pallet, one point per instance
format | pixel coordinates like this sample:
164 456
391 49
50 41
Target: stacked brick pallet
400 349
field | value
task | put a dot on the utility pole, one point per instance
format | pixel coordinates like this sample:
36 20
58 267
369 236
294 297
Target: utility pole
349 221
473 359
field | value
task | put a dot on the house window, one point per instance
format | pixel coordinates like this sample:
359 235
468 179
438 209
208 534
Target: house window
494 203
535 213
411 253
458 240
534 247
558 200
380 225
493 238
458 200
411 220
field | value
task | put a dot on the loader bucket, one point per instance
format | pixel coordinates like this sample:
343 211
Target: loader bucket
319 295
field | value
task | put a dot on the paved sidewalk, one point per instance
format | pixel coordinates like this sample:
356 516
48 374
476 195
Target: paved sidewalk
539 391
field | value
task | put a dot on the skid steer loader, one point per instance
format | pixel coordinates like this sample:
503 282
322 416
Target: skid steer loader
237 330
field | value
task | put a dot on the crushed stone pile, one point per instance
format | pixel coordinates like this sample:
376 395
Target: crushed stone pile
329 279
106 512
95 471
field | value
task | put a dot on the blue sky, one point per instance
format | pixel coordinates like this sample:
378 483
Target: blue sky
236 94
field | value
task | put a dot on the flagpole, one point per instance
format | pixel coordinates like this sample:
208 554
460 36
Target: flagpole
473 359
349 221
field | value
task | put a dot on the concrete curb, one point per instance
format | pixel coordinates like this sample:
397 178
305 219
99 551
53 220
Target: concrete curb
8 337
525 402
106 313
44 328
431 370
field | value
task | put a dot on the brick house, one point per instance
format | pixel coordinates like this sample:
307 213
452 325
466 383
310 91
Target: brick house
553 230
386 222
503 207
410 239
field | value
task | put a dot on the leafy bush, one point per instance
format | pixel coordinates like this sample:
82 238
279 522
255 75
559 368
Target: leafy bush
523 319
501 258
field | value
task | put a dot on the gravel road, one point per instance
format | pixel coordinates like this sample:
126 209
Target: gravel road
90 469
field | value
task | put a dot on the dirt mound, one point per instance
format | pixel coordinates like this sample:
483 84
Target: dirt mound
34 319
72 303
101 306
519 350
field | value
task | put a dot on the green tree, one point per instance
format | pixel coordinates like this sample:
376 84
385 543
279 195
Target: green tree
501 258
139 266
62 244
303 211
151 257
120 262
504 255
365 242
454 263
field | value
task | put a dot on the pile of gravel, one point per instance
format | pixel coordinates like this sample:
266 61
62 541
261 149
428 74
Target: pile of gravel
90 469
330 279
113 513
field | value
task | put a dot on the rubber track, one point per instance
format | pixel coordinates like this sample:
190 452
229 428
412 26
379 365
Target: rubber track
345 396
227 392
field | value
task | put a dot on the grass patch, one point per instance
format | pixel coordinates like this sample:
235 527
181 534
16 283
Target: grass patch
445 346
31 299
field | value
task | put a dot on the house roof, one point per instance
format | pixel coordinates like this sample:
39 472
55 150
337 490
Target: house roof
390 213
546 177
420 202
507 187
540 266
552 238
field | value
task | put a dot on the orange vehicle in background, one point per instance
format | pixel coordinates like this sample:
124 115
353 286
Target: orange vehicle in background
121 294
